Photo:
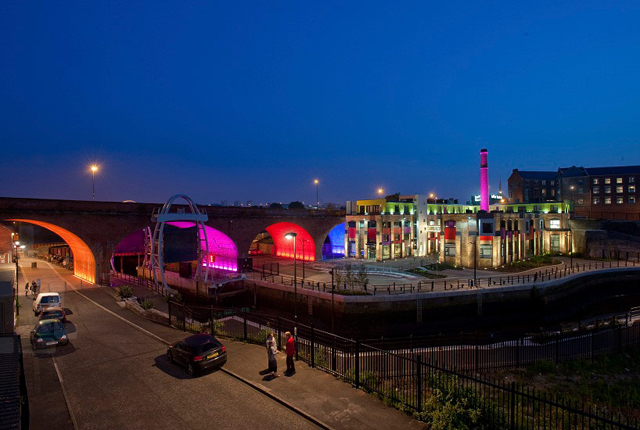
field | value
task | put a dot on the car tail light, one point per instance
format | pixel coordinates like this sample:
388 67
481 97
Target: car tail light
223 348
197 358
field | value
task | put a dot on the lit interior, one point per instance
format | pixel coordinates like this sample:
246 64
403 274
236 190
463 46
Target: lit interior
283 247
84 263
335 247
223 253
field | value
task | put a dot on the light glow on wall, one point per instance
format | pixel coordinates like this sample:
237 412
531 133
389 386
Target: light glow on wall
336 242
305 248
223 253
84 263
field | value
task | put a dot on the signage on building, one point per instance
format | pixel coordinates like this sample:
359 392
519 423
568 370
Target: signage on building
433 228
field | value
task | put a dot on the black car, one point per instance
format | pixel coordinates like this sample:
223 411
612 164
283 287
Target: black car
48 332
198 352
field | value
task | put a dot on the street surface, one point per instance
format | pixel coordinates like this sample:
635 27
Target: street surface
114 375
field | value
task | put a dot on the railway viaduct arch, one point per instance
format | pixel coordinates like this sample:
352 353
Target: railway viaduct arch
94 229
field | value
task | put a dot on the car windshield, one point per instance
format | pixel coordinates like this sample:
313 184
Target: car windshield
56 329
206 347
49 299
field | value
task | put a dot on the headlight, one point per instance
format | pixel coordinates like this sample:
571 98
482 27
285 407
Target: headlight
38 340
64 336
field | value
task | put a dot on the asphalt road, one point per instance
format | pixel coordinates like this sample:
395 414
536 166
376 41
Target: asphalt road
118 377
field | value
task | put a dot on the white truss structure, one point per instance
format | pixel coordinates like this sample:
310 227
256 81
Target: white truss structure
156 245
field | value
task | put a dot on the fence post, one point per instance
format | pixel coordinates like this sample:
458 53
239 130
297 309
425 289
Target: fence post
512 423
279 332
419 376
592 346
313 348
518 353
245 326
477 355
356 379
557 347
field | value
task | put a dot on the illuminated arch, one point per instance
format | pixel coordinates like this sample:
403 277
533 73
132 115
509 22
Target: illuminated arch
223 252
84 263
306 247
333 246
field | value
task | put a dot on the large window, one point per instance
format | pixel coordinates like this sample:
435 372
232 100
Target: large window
632 188
596 190
632 180
619 189
607 200
607 190
619 200
596 200
632 199
449 249
596 181
554 223
607 180
487 228
618 180
554 243
486 251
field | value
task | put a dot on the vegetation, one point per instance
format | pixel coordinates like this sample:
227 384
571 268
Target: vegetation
441 266
610 382
532 263
424 272
124 292
147 304
296 205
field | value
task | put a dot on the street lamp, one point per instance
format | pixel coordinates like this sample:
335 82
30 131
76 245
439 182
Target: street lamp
94 169
317 182
380 191
289 236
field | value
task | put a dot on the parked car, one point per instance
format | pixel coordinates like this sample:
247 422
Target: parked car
47 333
46 300
53 313
198 353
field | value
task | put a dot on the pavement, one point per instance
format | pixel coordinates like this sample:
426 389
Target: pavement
114 374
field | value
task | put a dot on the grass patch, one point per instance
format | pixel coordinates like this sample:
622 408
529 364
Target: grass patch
441 266
421 271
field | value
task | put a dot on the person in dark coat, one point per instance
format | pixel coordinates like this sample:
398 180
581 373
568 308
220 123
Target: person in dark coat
272 350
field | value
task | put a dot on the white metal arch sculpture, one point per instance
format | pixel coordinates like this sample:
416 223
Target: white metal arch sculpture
157 246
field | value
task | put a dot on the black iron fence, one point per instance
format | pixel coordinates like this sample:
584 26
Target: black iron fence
410 378
117 279
426 286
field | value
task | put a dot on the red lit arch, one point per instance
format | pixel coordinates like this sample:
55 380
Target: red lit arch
283 247
84 263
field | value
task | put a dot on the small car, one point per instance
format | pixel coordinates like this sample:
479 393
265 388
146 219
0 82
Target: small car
46 300
53 313
47 333
198 353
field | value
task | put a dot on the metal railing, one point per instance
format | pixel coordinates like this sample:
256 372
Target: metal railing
409 378
117 279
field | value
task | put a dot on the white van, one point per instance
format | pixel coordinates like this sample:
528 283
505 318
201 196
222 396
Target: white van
46 300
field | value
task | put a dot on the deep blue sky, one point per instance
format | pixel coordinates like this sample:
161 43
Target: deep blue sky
253 100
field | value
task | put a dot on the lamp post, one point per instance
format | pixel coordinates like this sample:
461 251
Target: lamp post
380 191
303 258
317 182
94 169
289 236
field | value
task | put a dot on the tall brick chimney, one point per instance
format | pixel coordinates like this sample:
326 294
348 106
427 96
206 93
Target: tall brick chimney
484 180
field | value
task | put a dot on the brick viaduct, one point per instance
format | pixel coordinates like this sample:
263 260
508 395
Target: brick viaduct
94 229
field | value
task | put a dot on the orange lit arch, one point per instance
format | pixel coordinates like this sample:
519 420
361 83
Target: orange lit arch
84 263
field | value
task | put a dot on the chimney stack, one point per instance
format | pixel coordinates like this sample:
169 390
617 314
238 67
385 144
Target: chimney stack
484 181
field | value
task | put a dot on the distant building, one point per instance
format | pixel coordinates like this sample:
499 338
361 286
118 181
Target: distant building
533 186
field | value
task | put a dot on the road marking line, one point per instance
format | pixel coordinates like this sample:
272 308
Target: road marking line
64 393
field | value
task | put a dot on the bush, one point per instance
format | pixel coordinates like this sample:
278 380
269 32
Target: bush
124 292
177 297
147 304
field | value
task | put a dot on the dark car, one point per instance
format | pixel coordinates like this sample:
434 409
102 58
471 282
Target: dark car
198 353
53 313
49 332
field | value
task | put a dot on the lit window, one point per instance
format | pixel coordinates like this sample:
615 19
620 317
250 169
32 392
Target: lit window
632 188
596 181
449 250
486 251
619 189
618 180
607 190
607 200
596 200
554 223
607 180
580 201
596 190
632 199
619 200
544 191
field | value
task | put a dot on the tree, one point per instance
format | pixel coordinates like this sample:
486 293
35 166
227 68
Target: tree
361 276
275 206
349 276
296 205
338 279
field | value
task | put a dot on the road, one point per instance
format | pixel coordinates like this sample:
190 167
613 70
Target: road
115 376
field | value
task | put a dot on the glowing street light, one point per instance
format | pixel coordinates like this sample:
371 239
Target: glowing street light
317 182
94 169
380 191
289 236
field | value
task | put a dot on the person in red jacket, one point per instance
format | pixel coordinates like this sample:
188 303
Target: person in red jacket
291 350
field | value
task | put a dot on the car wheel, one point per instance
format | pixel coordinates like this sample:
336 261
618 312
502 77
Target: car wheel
191 369
169 356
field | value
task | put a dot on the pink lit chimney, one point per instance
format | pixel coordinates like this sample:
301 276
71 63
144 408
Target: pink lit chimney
484 181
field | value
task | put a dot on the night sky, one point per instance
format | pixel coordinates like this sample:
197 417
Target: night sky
253 100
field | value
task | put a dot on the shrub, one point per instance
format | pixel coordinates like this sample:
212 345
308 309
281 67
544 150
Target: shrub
147 304
125 291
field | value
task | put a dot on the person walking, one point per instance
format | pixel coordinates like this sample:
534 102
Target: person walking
26 290
291 350
33 289
272 350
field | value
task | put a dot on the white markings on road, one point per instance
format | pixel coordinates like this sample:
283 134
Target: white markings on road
64 393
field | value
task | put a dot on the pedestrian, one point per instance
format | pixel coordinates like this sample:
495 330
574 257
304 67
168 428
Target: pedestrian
26 290
291 350
272 350
33 289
